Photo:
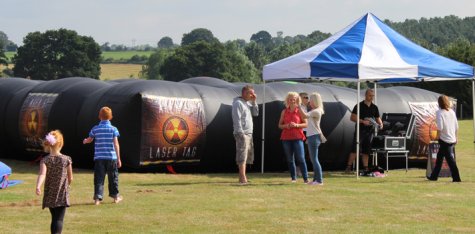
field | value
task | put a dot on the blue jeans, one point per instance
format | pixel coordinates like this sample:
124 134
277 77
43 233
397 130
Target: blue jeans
101 167
295 148
313 144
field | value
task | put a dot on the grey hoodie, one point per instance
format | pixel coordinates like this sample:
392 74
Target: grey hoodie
242 116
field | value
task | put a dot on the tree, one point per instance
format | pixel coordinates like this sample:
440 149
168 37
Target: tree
279 40
316 37
240 43
283 51
165 43
262 37
106 47
199 34
121 47
242 69
257 54
208 59
3 39
57 54
151 69
3 57
7 45
11 46
438 31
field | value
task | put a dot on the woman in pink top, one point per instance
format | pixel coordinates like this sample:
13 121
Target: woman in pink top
292 121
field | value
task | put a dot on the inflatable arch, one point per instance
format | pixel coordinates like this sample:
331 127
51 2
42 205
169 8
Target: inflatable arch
187 124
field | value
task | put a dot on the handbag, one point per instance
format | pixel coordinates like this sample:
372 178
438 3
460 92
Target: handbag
323 139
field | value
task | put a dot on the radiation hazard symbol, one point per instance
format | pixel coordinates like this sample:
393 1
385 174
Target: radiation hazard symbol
32 122
175 130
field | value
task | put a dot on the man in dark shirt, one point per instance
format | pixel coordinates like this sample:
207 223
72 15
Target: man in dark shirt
369 117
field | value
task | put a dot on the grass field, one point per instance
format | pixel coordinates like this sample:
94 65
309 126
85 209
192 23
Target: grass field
9 55
121 55
213 203
117 71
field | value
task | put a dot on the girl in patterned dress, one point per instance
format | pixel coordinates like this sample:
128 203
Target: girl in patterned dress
57 174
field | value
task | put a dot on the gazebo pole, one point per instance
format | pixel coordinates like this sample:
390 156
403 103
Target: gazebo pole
358 132
375 93
473 107
263 127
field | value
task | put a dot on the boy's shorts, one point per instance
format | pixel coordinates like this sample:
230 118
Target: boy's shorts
244 149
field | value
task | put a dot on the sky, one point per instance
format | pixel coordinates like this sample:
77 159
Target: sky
139 22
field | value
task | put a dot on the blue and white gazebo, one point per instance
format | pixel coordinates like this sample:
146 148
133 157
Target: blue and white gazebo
366 50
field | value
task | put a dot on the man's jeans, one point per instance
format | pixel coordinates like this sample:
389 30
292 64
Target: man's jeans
101 167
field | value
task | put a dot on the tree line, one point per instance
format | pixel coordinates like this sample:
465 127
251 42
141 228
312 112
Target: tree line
55 54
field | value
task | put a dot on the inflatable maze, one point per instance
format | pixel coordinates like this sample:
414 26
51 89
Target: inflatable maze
185 124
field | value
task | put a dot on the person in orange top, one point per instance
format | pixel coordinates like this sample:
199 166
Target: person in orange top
292 122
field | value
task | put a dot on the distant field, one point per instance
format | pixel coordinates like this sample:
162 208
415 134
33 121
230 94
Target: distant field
110 71
115 55
10 55
124 55
118 71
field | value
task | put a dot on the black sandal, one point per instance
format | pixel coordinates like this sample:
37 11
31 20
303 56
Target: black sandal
348 169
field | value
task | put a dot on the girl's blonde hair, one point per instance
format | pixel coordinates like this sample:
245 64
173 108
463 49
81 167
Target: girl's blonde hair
316 100
54 140
289 95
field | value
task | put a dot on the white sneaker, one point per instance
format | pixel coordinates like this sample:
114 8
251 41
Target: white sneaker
314 183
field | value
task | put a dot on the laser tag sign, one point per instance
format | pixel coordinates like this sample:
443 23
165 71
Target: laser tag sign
34 119
173 130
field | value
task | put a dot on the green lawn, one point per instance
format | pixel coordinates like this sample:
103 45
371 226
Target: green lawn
214 203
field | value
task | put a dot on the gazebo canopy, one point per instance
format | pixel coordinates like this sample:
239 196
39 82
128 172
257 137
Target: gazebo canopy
368 50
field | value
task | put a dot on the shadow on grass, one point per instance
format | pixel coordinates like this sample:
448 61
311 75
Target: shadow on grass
226 183
91 203
30 203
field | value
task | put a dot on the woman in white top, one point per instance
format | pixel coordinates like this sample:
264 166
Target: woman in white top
315 136
447 128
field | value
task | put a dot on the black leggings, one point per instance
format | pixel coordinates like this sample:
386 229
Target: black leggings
57 216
